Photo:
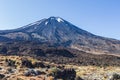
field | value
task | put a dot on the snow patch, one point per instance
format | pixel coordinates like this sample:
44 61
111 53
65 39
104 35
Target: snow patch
52 18
46 23
35 27
35 23
59 20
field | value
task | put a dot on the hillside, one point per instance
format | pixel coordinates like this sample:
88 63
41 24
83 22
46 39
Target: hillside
59 55
59 32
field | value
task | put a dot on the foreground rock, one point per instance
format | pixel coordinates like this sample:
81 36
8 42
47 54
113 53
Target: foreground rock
2 76
33 72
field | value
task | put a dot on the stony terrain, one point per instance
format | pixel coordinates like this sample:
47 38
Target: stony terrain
45 70
17 72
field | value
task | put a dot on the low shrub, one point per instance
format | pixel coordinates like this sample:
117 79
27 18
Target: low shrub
10 62
116 77
26 63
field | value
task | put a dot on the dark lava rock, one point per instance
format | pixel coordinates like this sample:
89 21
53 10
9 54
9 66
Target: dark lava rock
115 77
2 76
26 63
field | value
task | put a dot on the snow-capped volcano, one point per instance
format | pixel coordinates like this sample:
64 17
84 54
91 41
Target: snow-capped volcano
56 30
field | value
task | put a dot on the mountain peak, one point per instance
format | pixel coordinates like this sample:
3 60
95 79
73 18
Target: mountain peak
59 19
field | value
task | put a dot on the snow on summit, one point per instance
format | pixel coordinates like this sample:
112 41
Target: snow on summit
59 20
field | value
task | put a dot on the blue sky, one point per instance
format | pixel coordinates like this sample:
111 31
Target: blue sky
101 17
